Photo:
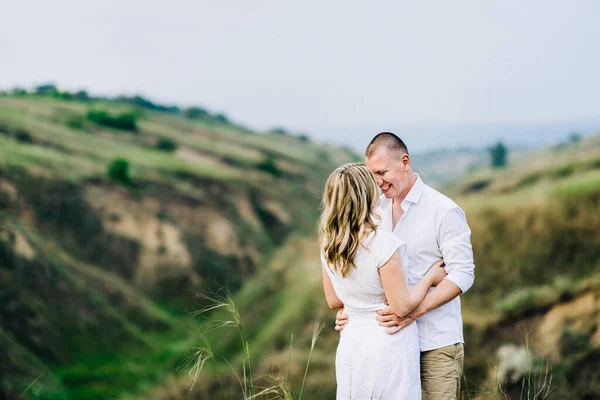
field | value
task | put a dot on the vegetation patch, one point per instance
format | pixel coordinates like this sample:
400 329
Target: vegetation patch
166 144
18 133
476 186
118 171
536 298
76 121
269 166
126 121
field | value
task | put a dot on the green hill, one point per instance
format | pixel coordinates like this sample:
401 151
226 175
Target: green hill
115 213
113 216
536 235
536 239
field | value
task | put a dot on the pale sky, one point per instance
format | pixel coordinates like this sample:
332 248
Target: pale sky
338 70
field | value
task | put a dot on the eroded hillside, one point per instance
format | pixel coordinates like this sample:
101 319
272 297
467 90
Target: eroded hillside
108 233
532 316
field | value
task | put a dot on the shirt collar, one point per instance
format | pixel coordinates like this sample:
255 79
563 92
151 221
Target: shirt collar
413 196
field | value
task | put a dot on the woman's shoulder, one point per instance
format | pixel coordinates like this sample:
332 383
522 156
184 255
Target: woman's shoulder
383 237
380 241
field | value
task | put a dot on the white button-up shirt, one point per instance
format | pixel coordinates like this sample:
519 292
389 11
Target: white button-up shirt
434 227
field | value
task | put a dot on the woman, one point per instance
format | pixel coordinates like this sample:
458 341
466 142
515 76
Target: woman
362 269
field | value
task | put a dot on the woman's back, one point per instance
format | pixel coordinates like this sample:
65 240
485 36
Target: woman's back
369 362
361 290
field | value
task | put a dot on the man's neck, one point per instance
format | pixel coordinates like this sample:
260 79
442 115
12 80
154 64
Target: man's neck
400 198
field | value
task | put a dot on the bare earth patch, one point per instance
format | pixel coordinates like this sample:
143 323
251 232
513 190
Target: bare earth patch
162 243
548 334
196 157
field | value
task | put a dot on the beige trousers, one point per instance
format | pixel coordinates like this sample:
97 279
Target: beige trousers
441 372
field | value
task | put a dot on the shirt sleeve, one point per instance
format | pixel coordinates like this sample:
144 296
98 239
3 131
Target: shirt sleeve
455 245
388 244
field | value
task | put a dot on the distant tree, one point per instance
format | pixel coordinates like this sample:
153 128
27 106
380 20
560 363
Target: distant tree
82 95
575 137
46 89
195 113
499 153
118 171
143 102
221 118
279 131
304 138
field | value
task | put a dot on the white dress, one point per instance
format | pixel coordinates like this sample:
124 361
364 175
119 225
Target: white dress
371 364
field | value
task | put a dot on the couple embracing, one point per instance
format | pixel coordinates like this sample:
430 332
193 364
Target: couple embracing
395 264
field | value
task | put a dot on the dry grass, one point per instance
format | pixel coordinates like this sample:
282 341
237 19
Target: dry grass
280 387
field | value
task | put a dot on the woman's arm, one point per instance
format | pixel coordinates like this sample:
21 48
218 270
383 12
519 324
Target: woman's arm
402 301
332 300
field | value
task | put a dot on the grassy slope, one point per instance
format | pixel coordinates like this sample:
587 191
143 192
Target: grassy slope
536 244
75 322
536 235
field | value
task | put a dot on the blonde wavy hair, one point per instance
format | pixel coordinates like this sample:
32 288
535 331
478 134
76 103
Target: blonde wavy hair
348 214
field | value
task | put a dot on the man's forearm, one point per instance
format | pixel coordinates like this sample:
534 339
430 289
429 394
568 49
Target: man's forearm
442 294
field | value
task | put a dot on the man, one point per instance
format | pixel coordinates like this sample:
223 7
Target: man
433 227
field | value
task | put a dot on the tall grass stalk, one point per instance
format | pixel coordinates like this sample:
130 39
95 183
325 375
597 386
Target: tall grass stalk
535 387
196 360
201 354
288 389
31 384
317 328
536 382
225 301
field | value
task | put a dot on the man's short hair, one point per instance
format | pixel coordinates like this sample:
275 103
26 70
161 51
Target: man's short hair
386 139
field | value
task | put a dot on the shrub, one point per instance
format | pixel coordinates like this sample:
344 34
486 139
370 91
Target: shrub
126 121
19 92
563 172
221 118
195 113
63 95
23 136
143 102
268 165
476 186
5 128
76 121
20 134
118 171
304 138
166 144
528 299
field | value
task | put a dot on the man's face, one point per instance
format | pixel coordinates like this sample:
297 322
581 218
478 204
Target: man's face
391 170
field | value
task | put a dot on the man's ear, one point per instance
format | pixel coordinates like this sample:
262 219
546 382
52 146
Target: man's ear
406 161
